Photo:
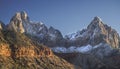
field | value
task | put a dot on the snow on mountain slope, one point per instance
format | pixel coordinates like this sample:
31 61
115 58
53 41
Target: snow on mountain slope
37 29
71 49
100 51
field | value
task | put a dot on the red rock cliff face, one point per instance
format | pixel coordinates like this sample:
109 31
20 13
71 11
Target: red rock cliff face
32 51
22 51
5 50
30 57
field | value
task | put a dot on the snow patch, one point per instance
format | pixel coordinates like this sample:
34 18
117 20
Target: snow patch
71 49
82 49
52 36
71 36
59 49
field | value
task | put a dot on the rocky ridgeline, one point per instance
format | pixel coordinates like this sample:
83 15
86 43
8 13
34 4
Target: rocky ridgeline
20 22
97 32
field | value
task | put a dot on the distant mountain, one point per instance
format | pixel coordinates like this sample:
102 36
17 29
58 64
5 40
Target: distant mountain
97 32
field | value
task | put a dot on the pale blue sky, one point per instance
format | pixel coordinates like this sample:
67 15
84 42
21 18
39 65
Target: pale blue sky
66 15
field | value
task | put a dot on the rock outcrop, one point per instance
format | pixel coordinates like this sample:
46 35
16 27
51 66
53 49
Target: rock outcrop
54 38
5 50
2 25
16 23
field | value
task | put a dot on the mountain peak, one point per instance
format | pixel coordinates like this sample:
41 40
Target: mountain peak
96 18
97 32
24 12
24 15
21 16
96 23
16 23
2 25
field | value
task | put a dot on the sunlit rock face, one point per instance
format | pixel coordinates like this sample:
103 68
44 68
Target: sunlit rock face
2 25
16 23
5 50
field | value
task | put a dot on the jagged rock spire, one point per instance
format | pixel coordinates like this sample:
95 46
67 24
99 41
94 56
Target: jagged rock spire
96 23
16 23
24 16
2 25
96 18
